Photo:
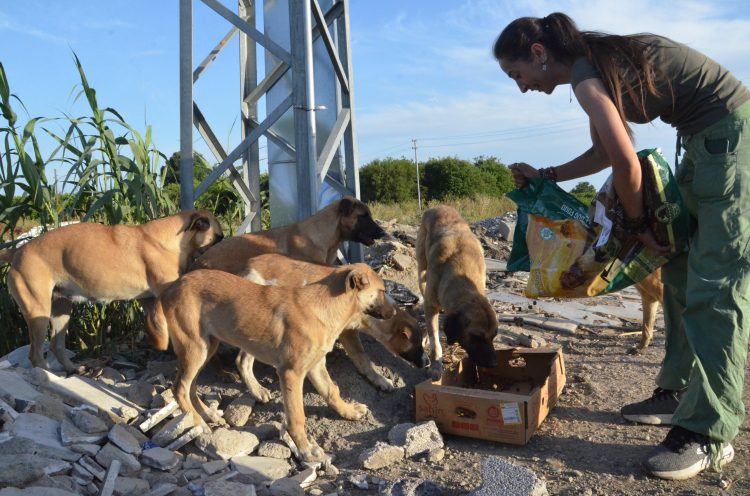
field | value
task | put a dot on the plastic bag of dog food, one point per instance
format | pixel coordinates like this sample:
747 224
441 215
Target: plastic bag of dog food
574 251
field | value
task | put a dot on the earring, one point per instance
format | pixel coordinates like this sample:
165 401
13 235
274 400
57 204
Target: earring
544 67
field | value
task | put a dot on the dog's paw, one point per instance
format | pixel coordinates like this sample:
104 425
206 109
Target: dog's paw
354 411
635 350
314 454
214 417
436 370
381 383
205 427
261 394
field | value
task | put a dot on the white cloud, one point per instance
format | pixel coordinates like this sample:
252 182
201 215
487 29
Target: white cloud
9 24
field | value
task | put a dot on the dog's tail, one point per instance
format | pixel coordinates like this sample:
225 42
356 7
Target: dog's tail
6 256
156 326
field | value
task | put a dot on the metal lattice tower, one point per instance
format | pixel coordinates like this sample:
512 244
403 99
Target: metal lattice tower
310 126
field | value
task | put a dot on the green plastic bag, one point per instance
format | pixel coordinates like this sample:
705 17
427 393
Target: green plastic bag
574 251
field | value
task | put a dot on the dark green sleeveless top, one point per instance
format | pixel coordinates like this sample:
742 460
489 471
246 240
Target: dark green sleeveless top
704 91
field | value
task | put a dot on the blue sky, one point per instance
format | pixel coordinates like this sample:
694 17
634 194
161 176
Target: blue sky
422 70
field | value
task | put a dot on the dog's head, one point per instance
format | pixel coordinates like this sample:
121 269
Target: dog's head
205 229
356 222
404 338
371 297
474 326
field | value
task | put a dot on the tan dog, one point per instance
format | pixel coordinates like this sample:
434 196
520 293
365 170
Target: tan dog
291 328
89 262
452 273
400 335
651 290
317 238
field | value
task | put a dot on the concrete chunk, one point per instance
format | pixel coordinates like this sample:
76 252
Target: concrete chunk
225 443
130 486
41 430
186 438
70 434
259 469
77 390
18 470
82 476
160 458
501 477
381 455
306 477
93 467
86 449
286 487
109 480
87 422
162 490
239 410
17 387
36 491
110 452
157 417
17 446
121 438
174 429
413 487
216 466
416 438
38 376
228 488
274 449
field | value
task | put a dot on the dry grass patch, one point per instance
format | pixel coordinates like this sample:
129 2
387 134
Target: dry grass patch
472 210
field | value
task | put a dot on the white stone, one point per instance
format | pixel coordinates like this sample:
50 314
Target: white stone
77 390
186 438
157 417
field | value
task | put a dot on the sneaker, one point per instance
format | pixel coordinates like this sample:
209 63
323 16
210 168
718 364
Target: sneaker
683 454
658 409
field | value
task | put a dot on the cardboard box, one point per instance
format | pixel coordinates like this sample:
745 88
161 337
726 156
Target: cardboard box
504 404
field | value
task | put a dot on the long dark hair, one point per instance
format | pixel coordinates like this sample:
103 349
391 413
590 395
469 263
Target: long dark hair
609 53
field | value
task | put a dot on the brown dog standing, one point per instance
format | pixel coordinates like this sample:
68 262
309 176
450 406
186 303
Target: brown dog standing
400 335
317 238
89 262
452 274
290 328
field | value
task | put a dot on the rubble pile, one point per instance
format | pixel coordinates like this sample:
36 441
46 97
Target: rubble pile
117 430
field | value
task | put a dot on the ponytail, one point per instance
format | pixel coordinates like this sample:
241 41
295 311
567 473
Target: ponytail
608 53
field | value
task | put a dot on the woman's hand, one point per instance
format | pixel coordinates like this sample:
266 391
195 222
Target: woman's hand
647 238
521 171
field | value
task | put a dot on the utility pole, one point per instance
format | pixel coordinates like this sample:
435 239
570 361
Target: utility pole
416 162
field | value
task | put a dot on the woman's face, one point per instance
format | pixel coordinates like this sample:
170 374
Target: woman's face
529 75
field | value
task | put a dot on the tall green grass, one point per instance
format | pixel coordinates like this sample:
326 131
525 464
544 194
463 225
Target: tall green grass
113 177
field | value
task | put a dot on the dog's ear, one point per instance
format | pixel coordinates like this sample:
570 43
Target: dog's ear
199 222
452 326
347 206
357 279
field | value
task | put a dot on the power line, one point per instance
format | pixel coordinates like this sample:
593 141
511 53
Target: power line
506 139
511 130
383 150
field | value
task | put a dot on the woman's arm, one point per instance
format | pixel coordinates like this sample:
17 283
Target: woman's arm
626 169
593 160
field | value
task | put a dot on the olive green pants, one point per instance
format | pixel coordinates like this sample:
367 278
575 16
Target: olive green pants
707 290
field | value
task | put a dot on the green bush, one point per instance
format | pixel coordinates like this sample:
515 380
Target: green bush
395 181
391 180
